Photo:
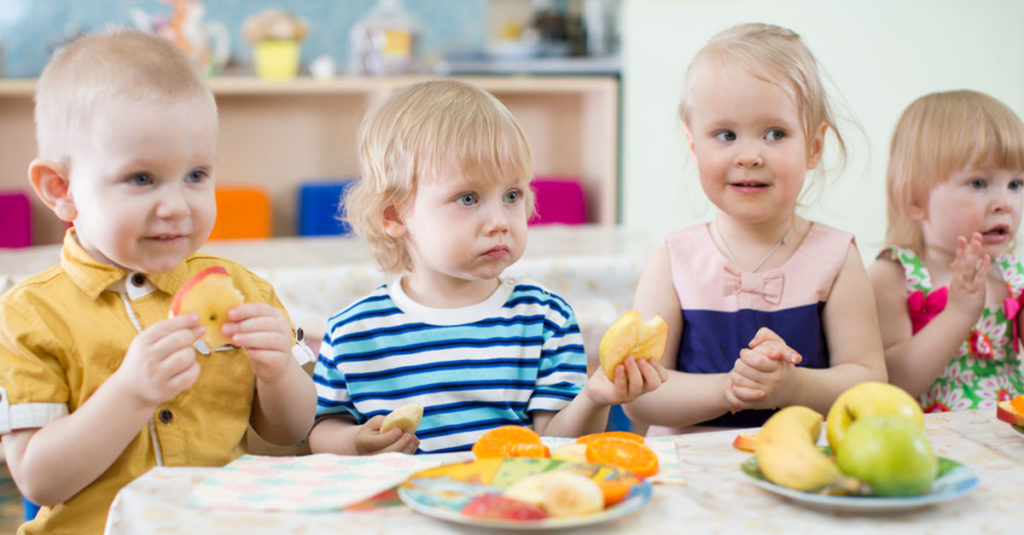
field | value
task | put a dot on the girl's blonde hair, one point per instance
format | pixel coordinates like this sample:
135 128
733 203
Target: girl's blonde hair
101 66
773 54
414 133
940 134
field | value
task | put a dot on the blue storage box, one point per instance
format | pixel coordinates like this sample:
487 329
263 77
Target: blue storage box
320 204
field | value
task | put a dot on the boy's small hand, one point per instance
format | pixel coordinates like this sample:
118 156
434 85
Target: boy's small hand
161 362
633 378
264 332
370 441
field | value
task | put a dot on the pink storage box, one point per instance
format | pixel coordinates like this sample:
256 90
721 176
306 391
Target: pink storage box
559 200
15 219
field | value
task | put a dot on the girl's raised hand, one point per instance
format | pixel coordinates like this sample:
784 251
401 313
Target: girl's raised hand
969 274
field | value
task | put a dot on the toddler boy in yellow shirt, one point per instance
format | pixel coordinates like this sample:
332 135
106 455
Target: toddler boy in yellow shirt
97 385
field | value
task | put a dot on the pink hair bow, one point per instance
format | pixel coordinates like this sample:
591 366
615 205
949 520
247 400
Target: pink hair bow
1011 307
768 286
922 308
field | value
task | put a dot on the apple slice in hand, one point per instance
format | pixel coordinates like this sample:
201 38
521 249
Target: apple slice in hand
1007 411
407 418
210 294
631 335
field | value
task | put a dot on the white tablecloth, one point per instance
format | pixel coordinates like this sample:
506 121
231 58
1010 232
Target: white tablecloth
714 497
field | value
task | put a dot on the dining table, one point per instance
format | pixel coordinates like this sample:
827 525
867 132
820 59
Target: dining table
700 488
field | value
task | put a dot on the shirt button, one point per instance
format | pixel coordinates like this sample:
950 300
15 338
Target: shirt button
138 279
166 416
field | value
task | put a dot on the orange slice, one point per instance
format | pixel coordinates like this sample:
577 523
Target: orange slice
1018 404
510 441
615 490
585 439
634 456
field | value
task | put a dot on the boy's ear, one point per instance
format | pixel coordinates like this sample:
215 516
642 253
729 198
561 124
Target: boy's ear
393 224
50 181
689 142
817 146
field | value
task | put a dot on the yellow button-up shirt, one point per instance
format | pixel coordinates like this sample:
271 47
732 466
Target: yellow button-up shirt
64 331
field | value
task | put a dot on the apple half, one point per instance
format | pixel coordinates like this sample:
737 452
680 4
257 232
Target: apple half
631 335
1007 411
210 294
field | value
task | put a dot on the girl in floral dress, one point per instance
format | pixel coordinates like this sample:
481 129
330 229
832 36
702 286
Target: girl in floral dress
947 286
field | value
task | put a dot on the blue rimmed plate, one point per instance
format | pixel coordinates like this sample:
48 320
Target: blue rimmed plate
442 492
954 481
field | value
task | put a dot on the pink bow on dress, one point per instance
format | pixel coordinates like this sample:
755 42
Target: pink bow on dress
1011 307
768 286
922 308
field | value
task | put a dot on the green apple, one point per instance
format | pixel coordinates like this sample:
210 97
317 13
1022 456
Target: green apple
890 453
865 399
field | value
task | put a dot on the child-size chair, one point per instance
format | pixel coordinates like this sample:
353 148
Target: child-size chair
320 204
15 219
559 200
243 212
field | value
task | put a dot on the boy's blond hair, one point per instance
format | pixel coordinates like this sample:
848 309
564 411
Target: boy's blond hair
776 55
940 134
414 133
97 67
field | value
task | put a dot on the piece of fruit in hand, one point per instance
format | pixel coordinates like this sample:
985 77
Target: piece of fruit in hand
631 335
501 507
209 294
407 418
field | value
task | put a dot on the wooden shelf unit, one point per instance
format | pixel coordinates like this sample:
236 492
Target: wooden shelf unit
280 134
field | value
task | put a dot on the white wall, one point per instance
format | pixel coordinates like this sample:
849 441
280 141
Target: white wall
880 54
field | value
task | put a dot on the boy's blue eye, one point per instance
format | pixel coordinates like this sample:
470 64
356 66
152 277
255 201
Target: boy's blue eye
196 176
725 135
466 199
977 183
1016 184
141 179
775 134
513 196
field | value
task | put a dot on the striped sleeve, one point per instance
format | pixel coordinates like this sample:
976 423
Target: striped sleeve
562 367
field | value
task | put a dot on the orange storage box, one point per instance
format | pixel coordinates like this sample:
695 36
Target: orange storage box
243 213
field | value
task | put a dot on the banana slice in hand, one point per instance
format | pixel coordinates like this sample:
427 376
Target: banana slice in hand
407 418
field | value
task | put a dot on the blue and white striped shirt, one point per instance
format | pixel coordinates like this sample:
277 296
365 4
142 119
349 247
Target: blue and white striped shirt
472 369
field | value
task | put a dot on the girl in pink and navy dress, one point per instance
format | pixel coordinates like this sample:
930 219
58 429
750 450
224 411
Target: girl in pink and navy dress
765 308
947 286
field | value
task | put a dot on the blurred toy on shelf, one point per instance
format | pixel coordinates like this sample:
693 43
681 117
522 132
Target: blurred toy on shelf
277 40
208 42
385 41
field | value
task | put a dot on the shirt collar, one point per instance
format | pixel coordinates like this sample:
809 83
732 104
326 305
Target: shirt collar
93 277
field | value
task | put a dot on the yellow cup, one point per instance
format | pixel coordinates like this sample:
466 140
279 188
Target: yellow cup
277 60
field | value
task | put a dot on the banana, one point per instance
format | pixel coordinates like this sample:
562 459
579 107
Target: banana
570 494
407 418
529 489
788 455
571 452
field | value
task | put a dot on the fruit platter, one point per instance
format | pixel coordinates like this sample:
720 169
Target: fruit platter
879 457
1012 412
525 493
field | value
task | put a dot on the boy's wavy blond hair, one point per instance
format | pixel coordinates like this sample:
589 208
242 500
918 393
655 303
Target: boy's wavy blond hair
415 132
940 134
776 55
100 66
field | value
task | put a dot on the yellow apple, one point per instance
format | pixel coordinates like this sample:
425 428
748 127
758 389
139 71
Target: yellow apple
210 294
631 335
870 398
407 418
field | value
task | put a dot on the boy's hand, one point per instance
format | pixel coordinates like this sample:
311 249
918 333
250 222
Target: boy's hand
161 362
967 284
370 441
633 378
265 334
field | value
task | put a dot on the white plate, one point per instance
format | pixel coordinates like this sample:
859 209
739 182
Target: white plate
442 492
954 481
